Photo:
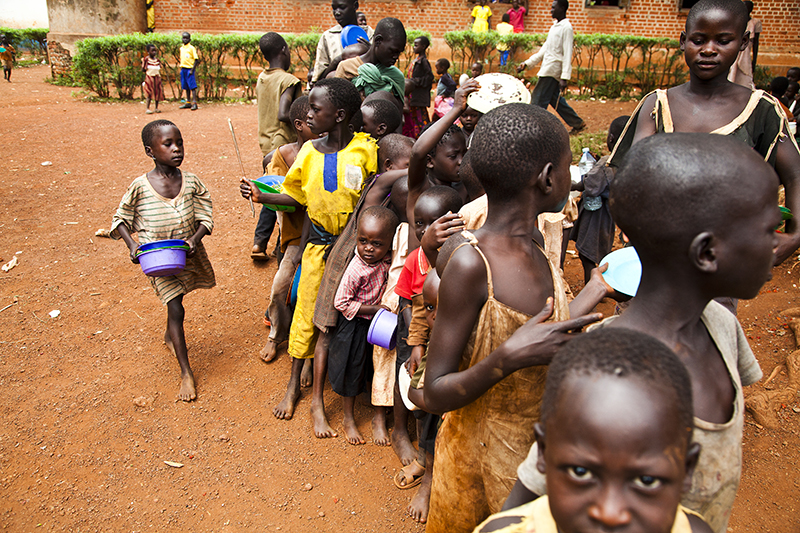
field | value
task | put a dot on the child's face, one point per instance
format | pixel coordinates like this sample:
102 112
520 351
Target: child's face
167 146
400 162
304 133
152 52
344 11
476 70
387 51
430 297
322 114
426 211
615 456
791 92
186 38
419 46
793 74
373 241
440 70
447 160
370 123
362 20
515 4
712 44
561 183
470 118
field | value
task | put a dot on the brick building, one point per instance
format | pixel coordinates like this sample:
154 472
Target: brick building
779 43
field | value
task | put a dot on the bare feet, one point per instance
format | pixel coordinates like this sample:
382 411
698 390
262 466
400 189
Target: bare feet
352 433
322 429
401 444
285 409
187 392
380 435
307 376
419 504
269 352
409 476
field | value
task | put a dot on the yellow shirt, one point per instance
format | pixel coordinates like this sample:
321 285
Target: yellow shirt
188 56
504 28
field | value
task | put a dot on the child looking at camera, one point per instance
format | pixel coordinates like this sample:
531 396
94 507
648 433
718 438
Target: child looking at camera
151 86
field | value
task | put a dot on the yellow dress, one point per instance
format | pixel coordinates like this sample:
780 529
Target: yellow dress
329 186
481 15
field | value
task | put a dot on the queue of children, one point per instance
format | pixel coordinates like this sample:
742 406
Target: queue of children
524 422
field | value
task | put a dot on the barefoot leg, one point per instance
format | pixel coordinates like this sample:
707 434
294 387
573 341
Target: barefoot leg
401 442
285 409
418 506
322 429
350 427
307 376
380 435
177 345
269 352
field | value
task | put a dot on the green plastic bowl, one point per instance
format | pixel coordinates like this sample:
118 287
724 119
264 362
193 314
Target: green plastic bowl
272 184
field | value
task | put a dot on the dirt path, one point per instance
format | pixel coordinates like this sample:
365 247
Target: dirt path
77 454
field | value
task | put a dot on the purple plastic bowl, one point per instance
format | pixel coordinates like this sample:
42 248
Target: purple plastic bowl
163 262
382 329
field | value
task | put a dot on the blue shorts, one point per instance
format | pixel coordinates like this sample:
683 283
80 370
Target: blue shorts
187 79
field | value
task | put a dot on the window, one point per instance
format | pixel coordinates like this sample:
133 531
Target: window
608 3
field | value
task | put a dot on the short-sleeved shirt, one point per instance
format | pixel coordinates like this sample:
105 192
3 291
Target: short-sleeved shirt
412 278
516 17
188 56
271 85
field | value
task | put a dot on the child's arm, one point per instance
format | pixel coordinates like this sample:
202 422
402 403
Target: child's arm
248 189
382 187
462 294
438 232
195 239
285 103
122 229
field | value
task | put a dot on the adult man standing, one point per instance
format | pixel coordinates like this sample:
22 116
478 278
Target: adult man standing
556 70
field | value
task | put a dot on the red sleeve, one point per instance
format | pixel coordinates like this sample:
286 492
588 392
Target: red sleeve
405 282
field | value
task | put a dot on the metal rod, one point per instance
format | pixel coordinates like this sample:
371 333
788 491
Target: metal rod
239 157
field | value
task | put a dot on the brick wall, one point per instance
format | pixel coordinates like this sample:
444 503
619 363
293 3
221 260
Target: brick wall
780 37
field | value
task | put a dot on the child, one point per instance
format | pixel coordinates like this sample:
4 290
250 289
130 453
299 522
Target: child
615 441
330 42
445 90
469 119
744 68
375 70
481 17
504 28
291 224
167 203
189 61
380 118
709 103
362 20
777 88
418 90
7 56
490 344
326 178
276 89
151 87
593 232
517 16
357 300
474 71
700 210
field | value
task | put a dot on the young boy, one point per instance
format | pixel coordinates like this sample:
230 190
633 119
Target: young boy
504 28
418 89
516 16
326 178
362 20
487 352
615 441
474 71
709 103
469 119
357 300
445 90
276 89
7 56
700 210
375 70
189 61
291 224
380 118
330 43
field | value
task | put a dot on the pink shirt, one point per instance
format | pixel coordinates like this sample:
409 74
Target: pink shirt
517 19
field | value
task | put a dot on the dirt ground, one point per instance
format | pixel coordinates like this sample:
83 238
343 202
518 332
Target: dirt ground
77 454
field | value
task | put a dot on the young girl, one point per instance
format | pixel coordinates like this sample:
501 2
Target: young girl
445 90
151 87
418 90
357 300
167 203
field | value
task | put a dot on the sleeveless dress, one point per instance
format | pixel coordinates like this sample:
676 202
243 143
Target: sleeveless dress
480 445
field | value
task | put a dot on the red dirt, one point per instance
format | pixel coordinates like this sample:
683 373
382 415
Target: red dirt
77 454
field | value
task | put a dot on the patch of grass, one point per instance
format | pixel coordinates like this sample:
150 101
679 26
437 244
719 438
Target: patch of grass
63 81
595 142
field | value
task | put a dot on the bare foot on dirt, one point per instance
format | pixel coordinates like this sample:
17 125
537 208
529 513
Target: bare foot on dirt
401 444
307 376
322 429
352 433
285 409
380 435
419 504
187 392
269 352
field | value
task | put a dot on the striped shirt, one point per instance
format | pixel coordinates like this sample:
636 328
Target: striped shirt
362 284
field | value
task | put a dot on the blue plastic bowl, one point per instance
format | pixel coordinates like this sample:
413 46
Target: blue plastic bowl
163 258
272 184
351 33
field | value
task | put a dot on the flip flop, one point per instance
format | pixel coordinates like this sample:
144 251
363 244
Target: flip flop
402 474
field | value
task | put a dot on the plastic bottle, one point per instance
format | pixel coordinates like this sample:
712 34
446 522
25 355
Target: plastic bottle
586 163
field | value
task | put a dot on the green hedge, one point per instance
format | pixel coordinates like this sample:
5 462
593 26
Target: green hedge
105 65
32 40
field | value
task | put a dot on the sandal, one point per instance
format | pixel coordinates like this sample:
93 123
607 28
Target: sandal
403 475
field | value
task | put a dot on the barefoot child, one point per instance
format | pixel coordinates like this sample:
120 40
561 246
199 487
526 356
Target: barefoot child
326 178
357 300
615 441
486 357
167 203
701 211
152 87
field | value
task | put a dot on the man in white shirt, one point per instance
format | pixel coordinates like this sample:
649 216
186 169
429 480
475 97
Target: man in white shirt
556 70
330 43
